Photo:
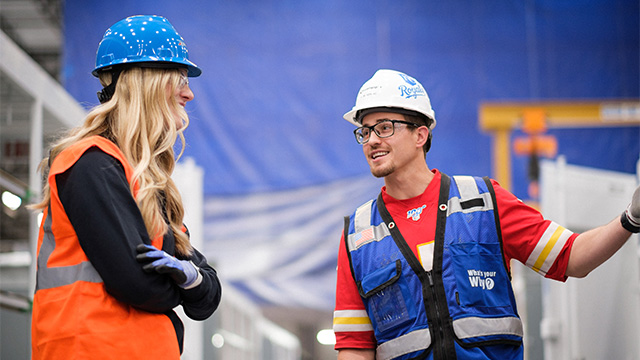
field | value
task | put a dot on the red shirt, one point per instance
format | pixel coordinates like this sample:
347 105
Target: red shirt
526 235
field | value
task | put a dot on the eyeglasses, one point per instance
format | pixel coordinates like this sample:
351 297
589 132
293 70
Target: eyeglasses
184 80
383 129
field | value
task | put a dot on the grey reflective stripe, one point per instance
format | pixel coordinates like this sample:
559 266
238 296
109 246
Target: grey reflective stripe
454 206
468 190
364 231
362 219
467 187
51 277
373 233
475 326
414 341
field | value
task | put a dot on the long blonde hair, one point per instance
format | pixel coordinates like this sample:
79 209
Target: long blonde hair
140 120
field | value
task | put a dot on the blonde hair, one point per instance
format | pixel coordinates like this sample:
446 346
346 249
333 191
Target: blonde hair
140 120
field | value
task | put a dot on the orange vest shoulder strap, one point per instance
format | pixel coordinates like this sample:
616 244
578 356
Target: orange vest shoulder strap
70 155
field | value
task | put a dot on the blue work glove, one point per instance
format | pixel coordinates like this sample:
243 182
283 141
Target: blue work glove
631 216
183 272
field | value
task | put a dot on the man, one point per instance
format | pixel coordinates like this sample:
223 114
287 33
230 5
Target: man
423 270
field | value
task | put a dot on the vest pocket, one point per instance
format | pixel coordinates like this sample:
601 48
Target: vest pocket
383 295
483 312
480 276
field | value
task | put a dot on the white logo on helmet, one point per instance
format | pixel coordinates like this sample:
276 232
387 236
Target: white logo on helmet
411 81
412 91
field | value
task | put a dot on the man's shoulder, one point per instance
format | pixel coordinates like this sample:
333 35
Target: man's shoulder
364 206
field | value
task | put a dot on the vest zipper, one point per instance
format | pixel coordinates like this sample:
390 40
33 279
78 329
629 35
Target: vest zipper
438 319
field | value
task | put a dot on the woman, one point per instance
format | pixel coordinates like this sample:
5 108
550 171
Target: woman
114 258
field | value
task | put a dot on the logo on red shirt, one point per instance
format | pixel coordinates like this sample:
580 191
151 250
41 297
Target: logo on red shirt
415 213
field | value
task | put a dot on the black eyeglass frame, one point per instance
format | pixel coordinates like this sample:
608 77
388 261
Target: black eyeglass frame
372 128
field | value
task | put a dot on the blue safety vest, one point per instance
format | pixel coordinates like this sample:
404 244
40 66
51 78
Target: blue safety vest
464 307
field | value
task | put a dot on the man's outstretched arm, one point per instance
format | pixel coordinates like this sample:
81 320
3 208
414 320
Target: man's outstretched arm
594 247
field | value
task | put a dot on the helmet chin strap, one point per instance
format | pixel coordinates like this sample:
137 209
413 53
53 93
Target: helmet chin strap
107 92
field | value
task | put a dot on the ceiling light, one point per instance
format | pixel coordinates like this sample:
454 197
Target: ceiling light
11 200
326 337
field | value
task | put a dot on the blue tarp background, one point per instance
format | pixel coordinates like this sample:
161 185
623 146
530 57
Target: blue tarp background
282 166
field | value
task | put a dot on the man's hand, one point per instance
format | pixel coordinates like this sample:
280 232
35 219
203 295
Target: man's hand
631 216
184 273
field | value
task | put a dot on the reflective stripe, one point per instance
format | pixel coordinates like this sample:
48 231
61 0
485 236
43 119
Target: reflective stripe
51 277
455 204
470 200
548 248
364 232
470 327
362 219
373 233
405 344
351 320
467 187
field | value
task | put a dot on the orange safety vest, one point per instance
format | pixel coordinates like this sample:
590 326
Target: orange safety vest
73 315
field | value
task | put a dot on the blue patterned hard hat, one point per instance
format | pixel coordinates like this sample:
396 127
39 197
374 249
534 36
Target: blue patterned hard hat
144 40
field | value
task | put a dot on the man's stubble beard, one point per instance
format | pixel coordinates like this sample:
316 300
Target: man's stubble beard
381 172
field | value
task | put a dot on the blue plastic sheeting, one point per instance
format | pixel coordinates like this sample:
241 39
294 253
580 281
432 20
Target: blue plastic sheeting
266 123
280 247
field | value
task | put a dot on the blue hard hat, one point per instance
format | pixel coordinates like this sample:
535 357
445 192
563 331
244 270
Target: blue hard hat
144 40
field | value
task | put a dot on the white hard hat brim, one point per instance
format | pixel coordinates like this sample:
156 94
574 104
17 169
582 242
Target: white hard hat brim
352 115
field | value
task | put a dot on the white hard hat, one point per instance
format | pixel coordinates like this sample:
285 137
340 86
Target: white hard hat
394 90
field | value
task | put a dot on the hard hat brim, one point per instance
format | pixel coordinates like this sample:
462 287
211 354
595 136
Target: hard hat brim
353 115
192 69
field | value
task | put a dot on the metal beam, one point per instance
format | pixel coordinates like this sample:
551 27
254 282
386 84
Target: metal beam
501 118
25 72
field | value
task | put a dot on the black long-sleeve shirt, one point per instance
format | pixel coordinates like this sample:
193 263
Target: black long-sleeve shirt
96 197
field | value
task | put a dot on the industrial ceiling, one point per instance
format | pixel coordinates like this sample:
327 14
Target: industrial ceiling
30 93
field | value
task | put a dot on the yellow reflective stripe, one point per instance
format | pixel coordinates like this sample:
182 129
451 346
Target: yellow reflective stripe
351 317
548 248
351 320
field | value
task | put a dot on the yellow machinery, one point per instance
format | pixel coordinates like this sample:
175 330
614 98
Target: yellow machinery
501 118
